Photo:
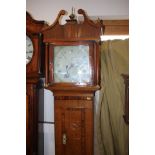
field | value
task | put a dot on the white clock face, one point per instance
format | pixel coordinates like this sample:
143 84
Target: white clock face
29 49
72 64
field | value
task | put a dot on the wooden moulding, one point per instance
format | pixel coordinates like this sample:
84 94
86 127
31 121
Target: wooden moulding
73 30
33 25
116 27
73 91
89 98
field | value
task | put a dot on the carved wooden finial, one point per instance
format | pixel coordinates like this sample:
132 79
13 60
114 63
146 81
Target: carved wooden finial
102 26
61 13
72 16
82 12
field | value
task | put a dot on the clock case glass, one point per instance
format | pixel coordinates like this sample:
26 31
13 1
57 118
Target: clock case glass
71 63
29 49
32 39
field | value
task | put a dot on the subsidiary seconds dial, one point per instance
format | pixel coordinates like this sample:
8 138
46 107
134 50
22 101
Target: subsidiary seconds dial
29 49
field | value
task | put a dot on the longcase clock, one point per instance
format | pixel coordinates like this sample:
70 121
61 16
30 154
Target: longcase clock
72 73
34 71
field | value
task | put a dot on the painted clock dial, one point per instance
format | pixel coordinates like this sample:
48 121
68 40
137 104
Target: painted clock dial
29 49
72 64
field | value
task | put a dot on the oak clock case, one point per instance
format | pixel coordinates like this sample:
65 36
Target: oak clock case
34 71
72 69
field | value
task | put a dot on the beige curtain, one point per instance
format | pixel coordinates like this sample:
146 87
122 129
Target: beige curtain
111 132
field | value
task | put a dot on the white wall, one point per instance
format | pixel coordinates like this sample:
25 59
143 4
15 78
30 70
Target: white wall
48 9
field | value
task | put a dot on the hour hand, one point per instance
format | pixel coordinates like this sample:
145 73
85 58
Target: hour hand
67 70
28 51
29 58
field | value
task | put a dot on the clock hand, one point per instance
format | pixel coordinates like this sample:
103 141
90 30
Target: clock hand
71 66
67 74
67 70
28 51
29 58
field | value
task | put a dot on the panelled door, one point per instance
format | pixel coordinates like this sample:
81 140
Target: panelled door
73 127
